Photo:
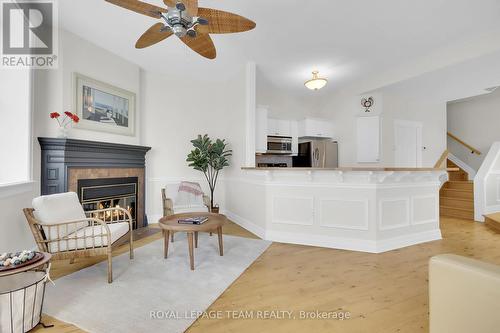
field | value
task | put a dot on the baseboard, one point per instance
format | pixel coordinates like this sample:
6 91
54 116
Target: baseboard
405 241
322 241
246 224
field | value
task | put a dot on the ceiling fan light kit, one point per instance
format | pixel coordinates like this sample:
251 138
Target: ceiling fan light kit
184 19
317 82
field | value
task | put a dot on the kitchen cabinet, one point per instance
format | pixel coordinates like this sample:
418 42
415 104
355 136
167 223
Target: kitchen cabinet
315 128
278 127
261 126
294 127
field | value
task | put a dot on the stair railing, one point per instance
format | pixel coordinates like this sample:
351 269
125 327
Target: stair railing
465 144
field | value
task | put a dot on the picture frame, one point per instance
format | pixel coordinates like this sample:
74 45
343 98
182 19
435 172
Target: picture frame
103 107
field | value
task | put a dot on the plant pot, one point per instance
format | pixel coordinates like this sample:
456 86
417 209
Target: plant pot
215 210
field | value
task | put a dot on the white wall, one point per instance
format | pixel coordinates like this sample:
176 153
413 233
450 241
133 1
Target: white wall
175 112
474 121
422 98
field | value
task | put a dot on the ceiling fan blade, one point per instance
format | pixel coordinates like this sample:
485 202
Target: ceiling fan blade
152 36
192 6
170 3
201 44
139 7
221 22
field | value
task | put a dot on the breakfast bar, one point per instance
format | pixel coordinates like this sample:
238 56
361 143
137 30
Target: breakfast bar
362 209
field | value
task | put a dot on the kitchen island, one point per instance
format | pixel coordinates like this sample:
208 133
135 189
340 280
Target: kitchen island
361 209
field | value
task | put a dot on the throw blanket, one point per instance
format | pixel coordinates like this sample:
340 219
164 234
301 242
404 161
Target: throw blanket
189 195
192 188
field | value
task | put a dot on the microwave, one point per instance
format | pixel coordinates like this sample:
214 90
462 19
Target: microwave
281 145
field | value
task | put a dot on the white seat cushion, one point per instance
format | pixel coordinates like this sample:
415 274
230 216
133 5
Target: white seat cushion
59 208
117 231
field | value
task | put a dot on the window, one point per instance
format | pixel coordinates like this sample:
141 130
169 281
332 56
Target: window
15 126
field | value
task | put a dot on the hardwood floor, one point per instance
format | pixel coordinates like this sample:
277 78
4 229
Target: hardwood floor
383 292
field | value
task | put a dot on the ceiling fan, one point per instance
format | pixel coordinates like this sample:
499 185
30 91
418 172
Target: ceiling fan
184 19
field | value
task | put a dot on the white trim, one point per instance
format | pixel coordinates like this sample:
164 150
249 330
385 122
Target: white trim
480 183
462 165
10 190
251 105
278 221
404 224
436 209
365 227
246 224
405 241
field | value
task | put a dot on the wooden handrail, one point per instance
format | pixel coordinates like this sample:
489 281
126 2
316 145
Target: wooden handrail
442 159
472 149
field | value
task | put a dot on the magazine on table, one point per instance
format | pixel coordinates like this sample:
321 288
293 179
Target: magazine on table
194 220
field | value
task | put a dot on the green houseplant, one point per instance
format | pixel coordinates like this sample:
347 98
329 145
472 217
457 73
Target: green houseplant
209 157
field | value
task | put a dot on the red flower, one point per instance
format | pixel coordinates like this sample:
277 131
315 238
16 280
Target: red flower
75 118
69 114
54 115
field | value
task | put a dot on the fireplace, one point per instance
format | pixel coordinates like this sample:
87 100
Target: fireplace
102 174
104 193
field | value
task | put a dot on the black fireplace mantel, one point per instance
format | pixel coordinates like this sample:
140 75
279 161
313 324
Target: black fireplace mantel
58 155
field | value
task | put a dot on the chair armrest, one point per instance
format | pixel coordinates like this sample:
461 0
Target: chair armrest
102 212
168 207
64 226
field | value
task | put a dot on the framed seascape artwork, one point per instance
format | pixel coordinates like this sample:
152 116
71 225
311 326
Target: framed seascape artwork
103 107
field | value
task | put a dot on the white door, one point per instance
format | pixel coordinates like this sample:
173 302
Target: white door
408 144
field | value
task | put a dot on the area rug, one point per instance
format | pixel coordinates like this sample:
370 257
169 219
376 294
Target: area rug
150 293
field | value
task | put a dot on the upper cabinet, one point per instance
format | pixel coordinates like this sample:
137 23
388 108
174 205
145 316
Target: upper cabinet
279 127
315 128
261 125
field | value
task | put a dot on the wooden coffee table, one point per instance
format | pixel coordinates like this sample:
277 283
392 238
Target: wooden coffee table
170 224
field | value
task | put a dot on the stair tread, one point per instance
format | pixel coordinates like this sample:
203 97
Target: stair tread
457 199
456 189
460 181
495 217
458 208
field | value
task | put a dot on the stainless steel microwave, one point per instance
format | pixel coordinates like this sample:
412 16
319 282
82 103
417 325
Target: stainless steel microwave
281 145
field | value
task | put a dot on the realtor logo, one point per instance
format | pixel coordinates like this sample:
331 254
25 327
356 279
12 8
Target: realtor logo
29 34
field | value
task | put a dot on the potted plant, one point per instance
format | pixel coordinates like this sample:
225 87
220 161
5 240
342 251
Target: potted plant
209 157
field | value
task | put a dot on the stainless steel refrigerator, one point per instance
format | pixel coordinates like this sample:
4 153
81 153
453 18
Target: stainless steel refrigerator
317 154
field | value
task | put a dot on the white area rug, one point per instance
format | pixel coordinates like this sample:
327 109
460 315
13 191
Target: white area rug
151 283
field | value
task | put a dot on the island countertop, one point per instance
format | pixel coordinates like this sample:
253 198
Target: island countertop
347 169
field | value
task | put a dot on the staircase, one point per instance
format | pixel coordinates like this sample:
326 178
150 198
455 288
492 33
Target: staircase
457 195
493 221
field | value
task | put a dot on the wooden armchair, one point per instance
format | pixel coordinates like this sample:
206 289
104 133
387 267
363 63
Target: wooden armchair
61 227
169 195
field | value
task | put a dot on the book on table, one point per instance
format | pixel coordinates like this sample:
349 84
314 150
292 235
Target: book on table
197 220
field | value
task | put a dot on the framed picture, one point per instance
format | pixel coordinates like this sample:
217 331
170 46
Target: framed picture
103 107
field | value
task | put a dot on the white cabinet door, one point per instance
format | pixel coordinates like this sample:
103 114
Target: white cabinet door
278 127
294 127
368 139
261 125
315 128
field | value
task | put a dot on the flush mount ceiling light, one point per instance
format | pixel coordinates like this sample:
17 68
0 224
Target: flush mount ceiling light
316 83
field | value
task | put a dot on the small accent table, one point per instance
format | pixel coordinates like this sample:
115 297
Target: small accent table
171 224
22 292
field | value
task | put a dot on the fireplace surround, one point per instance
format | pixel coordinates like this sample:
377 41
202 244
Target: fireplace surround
69 165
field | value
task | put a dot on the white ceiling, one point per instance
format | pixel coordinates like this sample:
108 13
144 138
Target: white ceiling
345 39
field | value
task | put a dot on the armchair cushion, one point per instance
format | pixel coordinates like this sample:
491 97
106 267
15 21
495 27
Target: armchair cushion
91 233
57 209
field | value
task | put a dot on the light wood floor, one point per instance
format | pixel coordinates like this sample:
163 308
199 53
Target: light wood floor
383 292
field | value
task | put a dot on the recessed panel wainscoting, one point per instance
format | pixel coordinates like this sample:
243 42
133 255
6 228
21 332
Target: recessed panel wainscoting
361 211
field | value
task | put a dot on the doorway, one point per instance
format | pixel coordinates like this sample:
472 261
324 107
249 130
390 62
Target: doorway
408 144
